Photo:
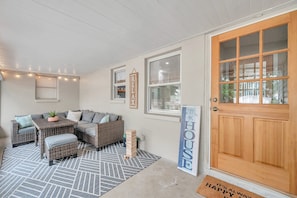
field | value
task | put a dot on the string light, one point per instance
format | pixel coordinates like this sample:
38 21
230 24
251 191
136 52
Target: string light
19 74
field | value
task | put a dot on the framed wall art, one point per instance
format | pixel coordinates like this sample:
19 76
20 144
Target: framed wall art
133 80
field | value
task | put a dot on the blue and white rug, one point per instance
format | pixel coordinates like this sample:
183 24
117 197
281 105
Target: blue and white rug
91 174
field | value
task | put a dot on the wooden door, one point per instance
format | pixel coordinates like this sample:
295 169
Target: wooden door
254 102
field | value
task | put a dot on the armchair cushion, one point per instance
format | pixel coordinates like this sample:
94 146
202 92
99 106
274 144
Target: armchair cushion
24 121
26 130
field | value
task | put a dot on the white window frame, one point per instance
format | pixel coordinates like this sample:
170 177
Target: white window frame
46 88
162 112
114 84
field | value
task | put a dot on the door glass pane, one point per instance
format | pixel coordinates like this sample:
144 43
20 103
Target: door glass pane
275 38
228 93
228 71
228 49
249 92
249 69
275 65
249 44
275 92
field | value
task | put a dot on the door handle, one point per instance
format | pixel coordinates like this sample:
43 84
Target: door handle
215 108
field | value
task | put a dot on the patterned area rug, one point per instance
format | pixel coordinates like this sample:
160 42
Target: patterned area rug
91 174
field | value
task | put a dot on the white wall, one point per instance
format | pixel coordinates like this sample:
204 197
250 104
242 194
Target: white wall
161 133
18 98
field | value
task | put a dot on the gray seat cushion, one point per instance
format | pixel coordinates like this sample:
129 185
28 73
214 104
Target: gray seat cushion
84 127
91 131
26 130
58 140
82 122
88 128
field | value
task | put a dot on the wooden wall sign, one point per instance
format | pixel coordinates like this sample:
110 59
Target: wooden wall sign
133 77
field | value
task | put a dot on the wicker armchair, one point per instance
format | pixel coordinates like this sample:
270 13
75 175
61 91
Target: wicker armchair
24 135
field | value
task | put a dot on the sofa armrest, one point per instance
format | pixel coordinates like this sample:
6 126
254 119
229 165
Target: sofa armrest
109 132
14 127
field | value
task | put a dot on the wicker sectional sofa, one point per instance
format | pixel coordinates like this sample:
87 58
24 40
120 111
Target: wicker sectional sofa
98 129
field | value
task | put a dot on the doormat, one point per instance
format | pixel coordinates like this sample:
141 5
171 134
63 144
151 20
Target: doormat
212 187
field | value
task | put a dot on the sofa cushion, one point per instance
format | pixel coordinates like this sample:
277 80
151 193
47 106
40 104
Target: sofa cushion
82 122
87 115
84 127
62 114
98 116
24 121
91 131
112 117
74 115
36 116
26 130
105 119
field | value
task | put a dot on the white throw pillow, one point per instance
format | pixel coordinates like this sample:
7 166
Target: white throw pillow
104 119
74 115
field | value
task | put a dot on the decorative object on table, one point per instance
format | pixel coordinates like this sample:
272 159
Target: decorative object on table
52 116
131 149
133 77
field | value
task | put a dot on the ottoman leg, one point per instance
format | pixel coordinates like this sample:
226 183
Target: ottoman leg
50 162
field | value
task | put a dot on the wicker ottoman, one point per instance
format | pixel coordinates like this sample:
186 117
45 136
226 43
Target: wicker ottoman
59 146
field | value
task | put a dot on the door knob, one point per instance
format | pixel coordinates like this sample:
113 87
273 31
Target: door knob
215 108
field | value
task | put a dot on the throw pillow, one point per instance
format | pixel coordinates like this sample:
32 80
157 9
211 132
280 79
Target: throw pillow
87 115
24 121
98 117
74 115
113 117
105 119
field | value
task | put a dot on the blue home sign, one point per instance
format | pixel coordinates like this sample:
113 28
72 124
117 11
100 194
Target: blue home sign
189 139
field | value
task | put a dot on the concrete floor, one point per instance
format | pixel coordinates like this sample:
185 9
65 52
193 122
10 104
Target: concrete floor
160 180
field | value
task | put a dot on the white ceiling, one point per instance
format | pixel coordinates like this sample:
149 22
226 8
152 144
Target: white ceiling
76 37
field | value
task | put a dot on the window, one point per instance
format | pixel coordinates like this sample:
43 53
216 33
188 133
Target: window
119 83
46 88
163 84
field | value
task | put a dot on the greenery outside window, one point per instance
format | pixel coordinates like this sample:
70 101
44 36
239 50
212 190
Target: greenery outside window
118 83
164 84
46 89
